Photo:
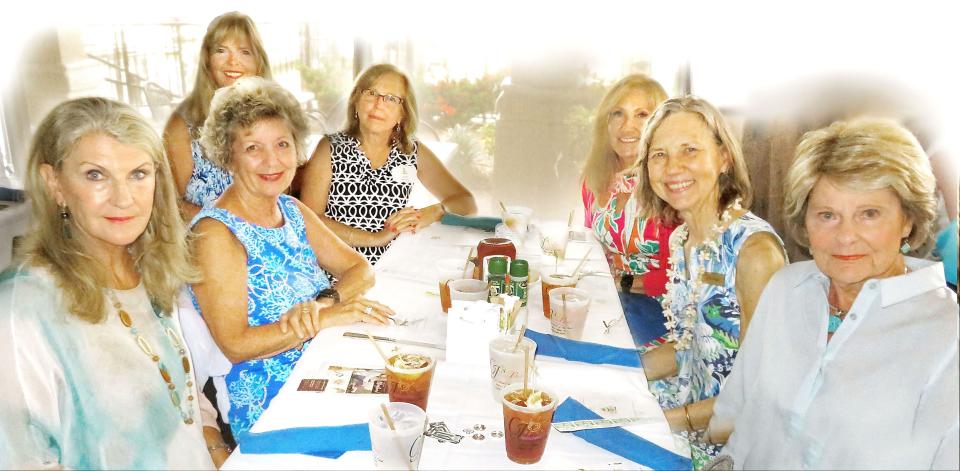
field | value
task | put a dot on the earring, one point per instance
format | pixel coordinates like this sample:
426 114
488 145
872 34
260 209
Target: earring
64 220
356 116
905 247
397 129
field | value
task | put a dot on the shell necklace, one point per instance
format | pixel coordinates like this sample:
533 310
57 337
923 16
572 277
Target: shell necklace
680 323
147 349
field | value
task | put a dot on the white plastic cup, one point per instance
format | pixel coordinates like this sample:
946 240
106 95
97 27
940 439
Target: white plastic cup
517 220
397 449
506 364
468 289
567 317
447 269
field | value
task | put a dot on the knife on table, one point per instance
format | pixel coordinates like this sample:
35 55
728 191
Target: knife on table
415 343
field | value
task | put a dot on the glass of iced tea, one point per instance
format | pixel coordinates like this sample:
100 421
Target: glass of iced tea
527 415
409 375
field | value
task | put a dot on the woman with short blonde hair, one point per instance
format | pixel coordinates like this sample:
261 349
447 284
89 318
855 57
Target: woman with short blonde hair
264 255
861 337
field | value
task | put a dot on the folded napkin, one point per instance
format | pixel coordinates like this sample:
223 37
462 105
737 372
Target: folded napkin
485 223
587 352
618 440
325 442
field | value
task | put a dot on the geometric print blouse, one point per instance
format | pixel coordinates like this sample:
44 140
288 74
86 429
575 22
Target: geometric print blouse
282 271
363 197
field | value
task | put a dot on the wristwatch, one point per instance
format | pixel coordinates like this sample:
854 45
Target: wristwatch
626 283
330 293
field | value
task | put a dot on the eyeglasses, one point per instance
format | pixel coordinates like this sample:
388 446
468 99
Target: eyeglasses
373 95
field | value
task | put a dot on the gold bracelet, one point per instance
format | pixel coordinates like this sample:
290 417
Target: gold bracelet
686 412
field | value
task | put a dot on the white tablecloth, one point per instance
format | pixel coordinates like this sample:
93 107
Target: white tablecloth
460 395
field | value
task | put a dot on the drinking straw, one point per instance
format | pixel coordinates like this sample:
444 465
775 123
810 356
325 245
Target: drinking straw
467 264
512 317
377 346
516 344
386 415
570 220
503 207
580 265
526 368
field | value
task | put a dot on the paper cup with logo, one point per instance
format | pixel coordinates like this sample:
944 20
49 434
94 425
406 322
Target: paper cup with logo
506 362
550 281
568 312
399 448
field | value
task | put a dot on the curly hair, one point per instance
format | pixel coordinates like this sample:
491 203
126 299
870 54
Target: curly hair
733 184
408 123
865 154
243 104
160 254
231 25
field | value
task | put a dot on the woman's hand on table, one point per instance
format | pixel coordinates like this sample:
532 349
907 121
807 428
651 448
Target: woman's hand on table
303 319
358 309
404 220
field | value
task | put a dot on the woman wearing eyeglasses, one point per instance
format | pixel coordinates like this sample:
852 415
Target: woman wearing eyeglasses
359 180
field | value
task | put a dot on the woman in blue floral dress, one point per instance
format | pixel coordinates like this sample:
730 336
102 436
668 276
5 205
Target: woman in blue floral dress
693 173
262 253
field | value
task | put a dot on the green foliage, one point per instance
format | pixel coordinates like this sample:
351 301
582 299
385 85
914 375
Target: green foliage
451 102
328 82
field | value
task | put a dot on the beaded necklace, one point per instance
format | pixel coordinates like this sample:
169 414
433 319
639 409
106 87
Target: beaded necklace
147 349
683 321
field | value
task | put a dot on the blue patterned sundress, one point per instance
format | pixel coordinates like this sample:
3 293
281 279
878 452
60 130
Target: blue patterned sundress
703 367
207 181
282 271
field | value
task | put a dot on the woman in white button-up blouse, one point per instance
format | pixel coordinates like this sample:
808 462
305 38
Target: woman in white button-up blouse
851 359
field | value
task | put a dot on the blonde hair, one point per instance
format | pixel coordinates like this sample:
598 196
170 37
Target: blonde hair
734 183
408 122
602 163
160 253
196 105
863 154
243 104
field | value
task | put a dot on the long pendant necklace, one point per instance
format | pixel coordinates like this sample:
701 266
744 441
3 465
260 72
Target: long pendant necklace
147 349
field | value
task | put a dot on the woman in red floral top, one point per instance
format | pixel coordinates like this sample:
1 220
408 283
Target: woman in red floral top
636 250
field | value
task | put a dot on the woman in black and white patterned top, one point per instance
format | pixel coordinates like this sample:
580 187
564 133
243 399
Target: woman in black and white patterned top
359 180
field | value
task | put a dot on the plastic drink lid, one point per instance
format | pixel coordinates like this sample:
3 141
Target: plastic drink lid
519 268
497 266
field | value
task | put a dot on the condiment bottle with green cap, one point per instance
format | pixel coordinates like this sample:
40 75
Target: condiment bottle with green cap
496 276
519 273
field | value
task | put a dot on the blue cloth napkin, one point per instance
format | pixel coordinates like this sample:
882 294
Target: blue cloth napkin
644 317
617 440
325 442
586 352
485 223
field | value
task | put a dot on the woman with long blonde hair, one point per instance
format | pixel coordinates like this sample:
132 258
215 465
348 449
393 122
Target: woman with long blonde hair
98 375
231 49
636 248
